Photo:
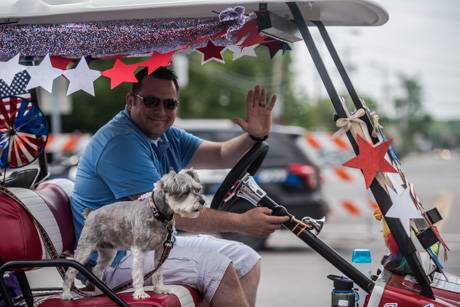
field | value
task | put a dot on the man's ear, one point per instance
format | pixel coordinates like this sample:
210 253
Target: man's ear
130 100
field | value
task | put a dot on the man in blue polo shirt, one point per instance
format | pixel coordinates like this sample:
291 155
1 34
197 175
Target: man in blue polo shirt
139 145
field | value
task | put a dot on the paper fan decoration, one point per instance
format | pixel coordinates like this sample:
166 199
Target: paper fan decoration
23 132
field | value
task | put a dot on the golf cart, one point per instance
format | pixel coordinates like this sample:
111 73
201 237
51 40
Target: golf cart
35 218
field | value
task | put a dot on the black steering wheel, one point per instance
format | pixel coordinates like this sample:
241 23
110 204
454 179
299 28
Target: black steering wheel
249 163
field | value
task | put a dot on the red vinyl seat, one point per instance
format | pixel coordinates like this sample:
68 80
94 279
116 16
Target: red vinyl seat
52 198
155 300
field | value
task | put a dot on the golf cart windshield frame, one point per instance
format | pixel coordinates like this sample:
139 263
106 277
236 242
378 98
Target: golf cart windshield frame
405 244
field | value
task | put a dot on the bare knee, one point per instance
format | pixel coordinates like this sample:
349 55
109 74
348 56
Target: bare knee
253 276
250 283
230 292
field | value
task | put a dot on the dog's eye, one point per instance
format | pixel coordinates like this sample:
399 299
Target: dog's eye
183 195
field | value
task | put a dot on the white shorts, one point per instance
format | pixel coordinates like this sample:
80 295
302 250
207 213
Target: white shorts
198 261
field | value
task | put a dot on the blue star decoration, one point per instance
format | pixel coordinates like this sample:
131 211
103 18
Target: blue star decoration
17 87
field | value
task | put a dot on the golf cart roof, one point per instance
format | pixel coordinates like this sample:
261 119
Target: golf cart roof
331 13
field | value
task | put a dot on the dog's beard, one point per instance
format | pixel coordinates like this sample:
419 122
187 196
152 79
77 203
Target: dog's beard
190 207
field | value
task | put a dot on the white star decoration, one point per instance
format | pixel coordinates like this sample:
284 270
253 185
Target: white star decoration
43 75
81 78
403 207
246 51
10 68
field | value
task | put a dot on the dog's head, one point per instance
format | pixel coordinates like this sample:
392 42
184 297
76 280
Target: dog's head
182 192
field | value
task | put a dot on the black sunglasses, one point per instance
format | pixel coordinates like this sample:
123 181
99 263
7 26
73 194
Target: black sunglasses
154 102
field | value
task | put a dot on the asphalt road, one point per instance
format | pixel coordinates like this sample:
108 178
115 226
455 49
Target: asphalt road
295 275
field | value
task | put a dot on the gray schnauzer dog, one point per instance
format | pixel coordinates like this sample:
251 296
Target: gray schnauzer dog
140 225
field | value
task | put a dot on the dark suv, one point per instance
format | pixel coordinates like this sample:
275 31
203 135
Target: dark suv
287 174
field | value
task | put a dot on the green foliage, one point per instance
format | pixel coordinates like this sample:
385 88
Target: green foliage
412 120
90 113
217 90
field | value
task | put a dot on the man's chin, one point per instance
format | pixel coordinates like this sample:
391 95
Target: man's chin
157 129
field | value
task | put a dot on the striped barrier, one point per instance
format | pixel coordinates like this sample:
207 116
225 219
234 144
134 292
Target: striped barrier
67 143
343 187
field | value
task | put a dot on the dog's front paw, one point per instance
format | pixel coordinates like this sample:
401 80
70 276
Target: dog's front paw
140 294
66 295
162 290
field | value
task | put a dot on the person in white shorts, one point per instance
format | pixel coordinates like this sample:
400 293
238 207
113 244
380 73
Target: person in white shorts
139 145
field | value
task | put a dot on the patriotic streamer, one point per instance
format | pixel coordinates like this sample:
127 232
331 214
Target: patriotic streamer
117 37
17 87
23 132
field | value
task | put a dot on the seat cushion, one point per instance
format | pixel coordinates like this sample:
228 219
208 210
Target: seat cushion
16 224
58 201
49 204
189 299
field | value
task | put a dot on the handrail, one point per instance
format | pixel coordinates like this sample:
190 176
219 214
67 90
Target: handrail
20 264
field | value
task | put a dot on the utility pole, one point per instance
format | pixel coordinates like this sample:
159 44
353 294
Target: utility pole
277 80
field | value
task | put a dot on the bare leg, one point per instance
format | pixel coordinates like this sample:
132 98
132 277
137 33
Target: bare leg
138 274
250 282
229 292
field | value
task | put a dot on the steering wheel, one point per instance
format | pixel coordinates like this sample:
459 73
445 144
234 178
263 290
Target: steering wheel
249 163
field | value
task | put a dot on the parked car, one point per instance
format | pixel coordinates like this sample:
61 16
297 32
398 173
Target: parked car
287 174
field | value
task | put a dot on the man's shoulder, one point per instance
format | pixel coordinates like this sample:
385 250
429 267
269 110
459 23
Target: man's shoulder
114 134
178 134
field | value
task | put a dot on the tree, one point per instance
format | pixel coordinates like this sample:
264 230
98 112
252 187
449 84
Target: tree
219 90
215 90
412 120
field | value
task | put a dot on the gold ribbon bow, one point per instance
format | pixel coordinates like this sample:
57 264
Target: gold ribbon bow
352 123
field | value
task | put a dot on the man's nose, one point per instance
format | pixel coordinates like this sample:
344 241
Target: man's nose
159 108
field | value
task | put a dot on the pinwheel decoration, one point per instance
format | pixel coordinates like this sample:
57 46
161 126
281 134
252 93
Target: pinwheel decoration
23 132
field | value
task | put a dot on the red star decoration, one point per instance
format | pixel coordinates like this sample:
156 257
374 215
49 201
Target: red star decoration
211 51
273 47
255 38
120 73
371 160
157 60
249 27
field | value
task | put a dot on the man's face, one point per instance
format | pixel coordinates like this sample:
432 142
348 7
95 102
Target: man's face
153 121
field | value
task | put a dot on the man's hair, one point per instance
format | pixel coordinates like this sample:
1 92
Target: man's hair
162 72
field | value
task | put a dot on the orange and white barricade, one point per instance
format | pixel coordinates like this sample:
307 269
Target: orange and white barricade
343 188
67 143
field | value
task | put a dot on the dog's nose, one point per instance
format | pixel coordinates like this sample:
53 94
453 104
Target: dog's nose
202 201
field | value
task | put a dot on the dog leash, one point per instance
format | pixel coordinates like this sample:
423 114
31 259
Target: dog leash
167 246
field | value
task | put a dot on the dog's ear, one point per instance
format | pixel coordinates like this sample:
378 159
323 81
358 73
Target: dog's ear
165 181
170 183
192 173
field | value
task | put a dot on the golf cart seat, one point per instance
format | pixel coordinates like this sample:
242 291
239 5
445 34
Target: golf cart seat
25 214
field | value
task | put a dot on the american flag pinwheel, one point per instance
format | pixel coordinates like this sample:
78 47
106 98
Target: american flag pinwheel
23 132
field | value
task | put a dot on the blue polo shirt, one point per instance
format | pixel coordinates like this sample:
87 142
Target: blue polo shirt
121 161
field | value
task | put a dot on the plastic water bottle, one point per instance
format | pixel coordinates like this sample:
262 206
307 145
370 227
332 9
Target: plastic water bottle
362 260
342 294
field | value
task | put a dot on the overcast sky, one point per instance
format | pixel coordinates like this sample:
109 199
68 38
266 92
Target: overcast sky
421 39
